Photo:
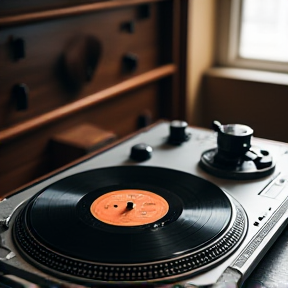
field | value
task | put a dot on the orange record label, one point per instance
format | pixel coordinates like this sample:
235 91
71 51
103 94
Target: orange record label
130 207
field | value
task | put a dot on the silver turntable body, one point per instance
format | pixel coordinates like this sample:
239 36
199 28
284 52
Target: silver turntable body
264 200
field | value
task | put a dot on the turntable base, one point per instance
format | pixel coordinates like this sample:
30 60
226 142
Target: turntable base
209 231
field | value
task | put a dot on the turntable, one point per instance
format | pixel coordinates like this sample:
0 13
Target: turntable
172 205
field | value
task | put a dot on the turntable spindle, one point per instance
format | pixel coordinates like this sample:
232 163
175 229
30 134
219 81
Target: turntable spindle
130 205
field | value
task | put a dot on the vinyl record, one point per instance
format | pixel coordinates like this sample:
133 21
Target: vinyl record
61 217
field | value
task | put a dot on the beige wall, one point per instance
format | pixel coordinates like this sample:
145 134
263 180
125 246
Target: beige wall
258 99
201 34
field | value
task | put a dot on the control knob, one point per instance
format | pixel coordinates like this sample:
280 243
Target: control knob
141 152
178 133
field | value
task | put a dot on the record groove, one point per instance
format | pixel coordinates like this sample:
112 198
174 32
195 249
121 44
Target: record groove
199 227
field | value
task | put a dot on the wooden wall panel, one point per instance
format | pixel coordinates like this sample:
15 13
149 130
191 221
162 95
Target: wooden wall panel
32 155
47 42
61 46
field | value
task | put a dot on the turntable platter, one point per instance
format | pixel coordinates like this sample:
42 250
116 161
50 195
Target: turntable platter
119 218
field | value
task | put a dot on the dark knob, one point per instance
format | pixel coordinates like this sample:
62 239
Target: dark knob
20 94
18 48
130 62
178 133
141 152
261 158
145 119
264 162
129 27
144 11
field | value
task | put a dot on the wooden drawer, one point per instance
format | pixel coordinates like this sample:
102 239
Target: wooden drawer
43 54
54 66
31 155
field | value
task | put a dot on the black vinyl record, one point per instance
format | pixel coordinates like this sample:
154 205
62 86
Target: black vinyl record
59 217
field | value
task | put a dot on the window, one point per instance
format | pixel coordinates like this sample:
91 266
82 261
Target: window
253 34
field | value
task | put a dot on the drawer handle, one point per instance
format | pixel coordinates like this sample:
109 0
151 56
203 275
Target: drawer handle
128 27
130 62
144 11
20 94
18 49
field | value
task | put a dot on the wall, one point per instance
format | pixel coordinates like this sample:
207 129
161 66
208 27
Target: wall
201 34
255 98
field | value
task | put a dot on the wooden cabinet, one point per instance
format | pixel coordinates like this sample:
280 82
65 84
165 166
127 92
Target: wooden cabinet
103 63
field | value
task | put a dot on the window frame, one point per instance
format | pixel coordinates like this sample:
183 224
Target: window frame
228 37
